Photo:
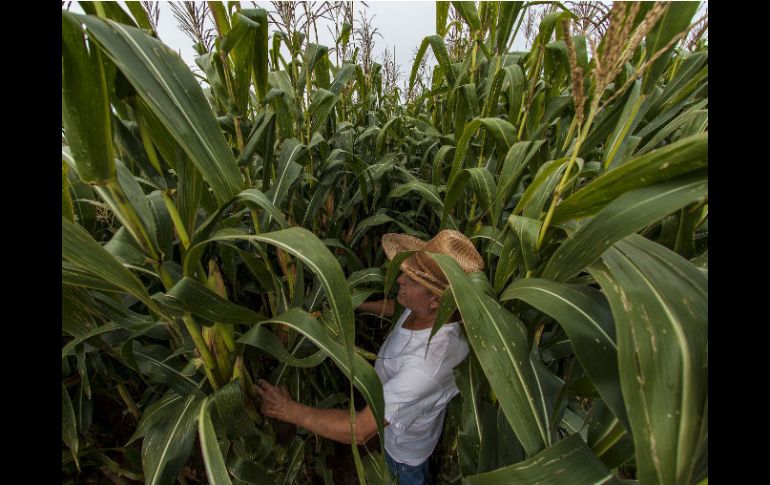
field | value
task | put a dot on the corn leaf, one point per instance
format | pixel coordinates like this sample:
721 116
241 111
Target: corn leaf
157 363
266 341
468 12
442 13
659 302
509 12
628 213
321 106
79 248
626 124
70 347
542 187
314 54
377 220
201 301
168 444
77 276
526 230
306 247
140 15
676 19
584 314
131 206
216 471
476 439
154 414
163 81
429 193
342 78
689 77
252 198
364 377
500 130
517 86
570 455
608 438
69 431
674 124
441 54
509 261
684 156
516 160
110 10
499 341
287 171
85 105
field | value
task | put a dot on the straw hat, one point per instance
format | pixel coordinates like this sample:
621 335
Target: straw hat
421 267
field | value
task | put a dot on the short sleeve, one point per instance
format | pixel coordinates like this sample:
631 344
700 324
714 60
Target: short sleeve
409 394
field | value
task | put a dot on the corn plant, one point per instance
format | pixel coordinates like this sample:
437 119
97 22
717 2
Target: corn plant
221 230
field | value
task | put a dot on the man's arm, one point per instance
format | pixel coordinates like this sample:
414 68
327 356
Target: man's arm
333 424
382 307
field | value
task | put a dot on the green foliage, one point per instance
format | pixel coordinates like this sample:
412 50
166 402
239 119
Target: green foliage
221 231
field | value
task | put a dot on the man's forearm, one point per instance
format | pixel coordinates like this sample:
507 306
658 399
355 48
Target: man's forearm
333 424
382 307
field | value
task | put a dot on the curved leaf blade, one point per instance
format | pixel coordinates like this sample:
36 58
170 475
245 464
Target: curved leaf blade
168 87
526 231
628 213
166 447
548 467
441 54
190 293
681 157
69 431
363 375
85 105
676 19
216 471
583 313
659 301
79 248
469 13
507 366
542 187
266 340
152 361
302 244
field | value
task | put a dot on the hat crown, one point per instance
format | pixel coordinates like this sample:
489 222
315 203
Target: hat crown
454 244
423 268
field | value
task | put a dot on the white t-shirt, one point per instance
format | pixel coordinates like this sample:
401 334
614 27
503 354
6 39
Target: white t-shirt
417 386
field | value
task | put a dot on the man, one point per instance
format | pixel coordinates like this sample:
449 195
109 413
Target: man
417 379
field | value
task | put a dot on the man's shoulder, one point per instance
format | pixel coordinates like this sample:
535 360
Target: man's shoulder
438 355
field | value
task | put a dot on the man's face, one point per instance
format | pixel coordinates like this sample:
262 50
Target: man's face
413 295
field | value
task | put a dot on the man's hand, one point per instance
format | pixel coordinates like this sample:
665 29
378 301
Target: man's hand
276 401
329 423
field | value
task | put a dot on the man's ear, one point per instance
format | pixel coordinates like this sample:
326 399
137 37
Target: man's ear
434 302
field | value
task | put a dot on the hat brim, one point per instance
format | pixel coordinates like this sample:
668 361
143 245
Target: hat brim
426 283
393 243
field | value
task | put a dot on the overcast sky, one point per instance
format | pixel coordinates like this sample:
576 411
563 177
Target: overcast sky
402 24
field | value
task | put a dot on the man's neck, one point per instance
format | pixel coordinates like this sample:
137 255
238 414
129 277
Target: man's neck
416 321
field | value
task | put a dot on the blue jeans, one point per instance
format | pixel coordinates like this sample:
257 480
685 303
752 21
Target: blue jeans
408 474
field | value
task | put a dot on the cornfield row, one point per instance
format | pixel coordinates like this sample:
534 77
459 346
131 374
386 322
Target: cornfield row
221 231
